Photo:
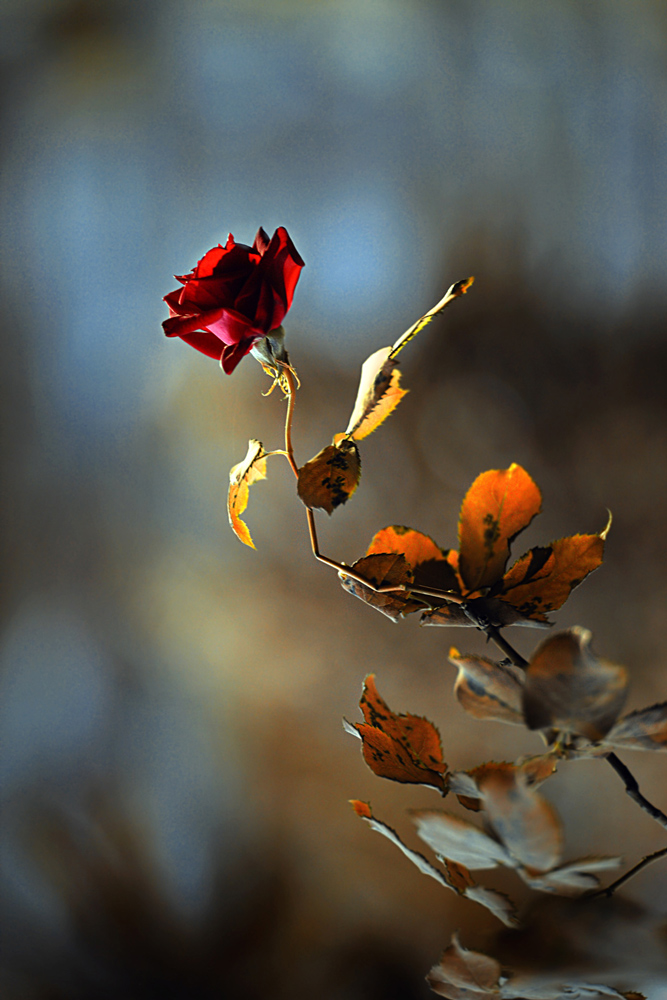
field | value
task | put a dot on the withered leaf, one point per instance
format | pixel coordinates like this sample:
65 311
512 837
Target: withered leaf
470 970
569 688
482 611
488 690
572 878
454 876
498 505
404 748
542 579
331 477
378 395
453 292
643 730
383 570
431 566
456 839
241 477
524 821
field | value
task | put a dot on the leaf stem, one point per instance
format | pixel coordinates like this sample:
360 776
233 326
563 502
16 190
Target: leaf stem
493 632
632 788
286 373
611 889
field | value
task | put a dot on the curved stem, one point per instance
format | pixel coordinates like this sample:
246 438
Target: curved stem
286 373
611 889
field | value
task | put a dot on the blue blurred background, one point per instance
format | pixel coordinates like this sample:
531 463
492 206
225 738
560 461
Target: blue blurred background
174 774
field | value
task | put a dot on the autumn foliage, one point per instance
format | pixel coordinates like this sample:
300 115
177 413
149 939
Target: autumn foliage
568 695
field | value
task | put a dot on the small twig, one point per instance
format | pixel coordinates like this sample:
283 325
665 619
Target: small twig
493 633
632 788
611 889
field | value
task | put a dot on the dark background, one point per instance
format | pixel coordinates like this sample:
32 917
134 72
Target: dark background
175 775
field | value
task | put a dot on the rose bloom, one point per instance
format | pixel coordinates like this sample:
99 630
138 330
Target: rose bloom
235 296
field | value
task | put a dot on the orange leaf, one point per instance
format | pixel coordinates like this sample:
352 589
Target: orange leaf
378 395
569 688
386 570
404 748
542 579
431 565
498 505
331 477
241 477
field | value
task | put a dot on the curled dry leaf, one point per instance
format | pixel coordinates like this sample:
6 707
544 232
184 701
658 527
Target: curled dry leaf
498 505
643 730
542 579
470 970
241 477
569 688
479 612
454 876
524 821
331 477
466 784
383 570
378 395
456 839
488 690
403 748
572 878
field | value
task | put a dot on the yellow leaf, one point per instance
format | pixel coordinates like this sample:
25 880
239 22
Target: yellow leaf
331 477
241 477
378 395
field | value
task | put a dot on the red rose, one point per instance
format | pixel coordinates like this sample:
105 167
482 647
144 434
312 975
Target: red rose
235 296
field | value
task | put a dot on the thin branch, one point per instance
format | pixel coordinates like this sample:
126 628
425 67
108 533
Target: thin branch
493 633
632 788
392 588
611 889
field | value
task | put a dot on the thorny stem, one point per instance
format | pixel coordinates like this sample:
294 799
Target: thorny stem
611 889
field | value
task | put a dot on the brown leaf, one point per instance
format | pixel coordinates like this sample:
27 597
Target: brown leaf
498 505
543 579
331 477
386 570
488 690
478 612
468 969
431 565
570 689
458 840
525 822
643 730
378 395
241 477
571 879
403 748
455 876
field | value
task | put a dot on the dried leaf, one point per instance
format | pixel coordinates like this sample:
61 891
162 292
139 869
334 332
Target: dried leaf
488 690
331 477
453 292
403 748
525 822
431 566
571 879
542 579
455 876
498 505
386 570
643 730
378 395
468 969
458 840
478 612
569 688
241 477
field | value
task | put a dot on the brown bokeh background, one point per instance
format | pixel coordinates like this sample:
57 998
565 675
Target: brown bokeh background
175 774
